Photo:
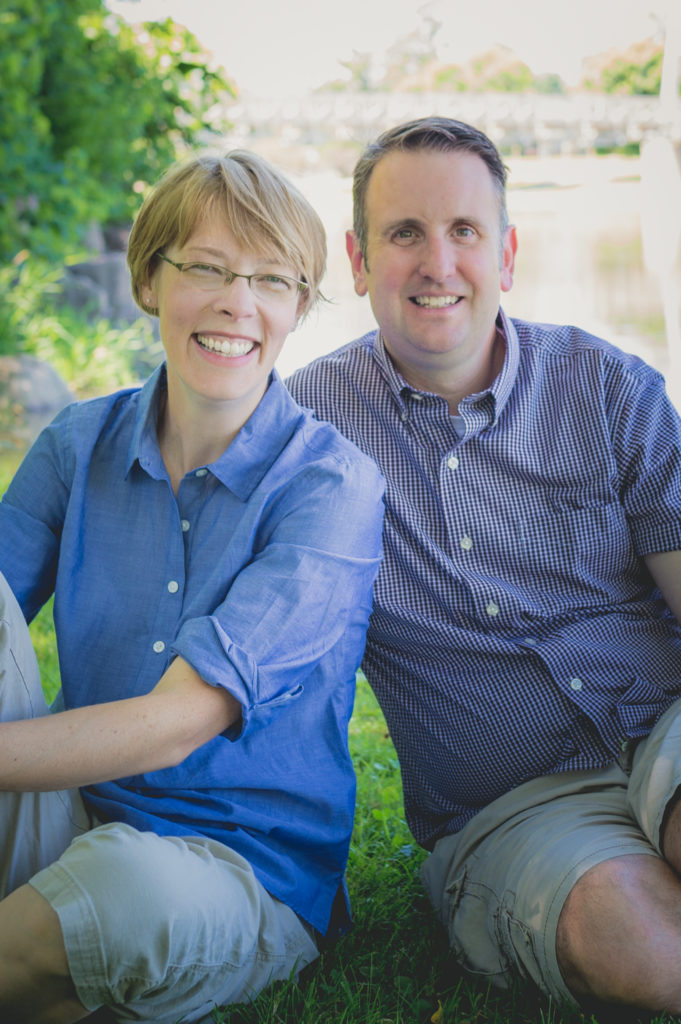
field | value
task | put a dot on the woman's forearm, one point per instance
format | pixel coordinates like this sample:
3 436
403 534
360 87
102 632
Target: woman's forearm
108 741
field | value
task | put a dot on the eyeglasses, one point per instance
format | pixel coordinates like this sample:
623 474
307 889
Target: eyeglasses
210 278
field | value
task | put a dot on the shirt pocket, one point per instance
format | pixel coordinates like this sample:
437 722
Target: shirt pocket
587 537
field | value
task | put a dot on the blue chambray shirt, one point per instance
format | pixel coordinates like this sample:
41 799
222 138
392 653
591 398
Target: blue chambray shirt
516 631
259 574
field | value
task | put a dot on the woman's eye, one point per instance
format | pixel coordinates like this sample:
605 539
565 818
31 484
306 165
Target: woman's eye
274 282
203 270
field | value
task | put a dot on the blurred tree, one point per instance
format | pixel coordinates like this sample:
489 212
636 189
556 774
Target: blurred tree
632 79
412 64
635 71
93 110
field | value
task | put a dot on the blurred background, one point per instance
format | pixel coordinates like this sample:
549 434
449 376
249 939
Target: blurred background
99 96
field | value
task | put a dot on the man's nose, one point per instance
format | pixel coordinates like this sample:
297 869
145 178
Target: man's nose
438 259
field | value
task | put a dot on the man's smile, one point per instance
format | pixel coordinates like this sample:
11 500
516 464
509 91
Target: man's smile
436 301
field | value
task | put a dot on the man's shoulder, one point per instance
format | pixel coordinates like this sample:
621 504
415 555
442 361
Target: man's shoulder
352 363
557 344
569 340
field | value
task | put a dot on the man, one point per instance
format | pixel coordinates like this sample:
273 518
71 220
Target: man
524 643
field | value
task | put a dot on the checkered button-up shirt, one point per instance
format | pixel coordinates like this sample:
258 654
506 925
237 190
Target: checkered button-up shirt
516 631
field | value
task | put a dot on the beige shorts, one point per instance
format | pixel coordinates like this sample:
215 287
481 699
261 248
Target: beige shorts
499 884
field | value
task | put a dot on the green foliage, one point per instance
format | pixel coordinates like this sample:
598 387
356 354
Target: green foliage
91 357
517 78
93 111
450 79
634 79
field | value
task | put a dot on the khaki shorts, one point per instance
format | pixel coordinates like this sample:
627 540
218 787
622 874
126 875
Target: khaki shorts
499 884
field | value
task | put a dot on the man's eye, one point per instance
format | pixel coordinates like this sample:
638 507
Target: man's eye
404 235
464 232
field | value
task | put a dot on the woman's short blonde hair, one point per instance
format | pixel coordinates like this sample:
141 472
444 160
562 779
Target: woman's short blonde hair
268 215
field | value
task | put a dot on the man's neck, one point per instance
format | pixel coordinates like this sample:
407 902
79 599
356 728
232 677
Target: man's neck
456 381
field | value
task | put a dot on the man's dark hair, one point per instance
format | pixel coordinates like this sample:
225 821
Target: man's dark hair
436 133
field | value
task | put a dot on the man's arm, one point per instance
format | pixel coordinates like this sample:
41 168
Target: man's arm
113 740
665 568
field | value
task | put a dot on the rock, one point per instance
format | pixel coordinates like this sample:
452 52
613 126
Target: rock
31 394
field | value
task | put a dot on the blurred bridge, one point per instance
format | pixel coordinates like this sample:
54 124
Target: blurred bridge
520 122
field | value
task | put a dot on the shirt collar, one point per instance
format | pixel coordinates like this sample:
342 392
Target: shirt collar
499 390
250 455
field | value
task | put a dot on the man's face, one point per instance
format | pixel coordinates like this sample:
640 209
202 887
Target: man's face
435 262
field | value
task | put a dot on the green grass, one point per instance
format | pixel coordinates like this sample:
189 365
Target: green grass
394 967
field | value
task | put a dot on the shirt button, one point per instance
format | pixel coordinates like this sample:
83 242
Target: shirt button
185 525
453 462
530 641
492 608
201 472
159 647
416 396
576 683
173 587
466 543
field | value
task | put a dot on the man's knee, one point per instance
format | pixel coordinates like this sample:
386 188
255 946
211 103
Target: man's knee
619 934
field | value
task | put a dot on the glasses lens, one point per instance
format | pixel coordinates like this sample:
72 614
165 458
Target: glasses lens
267 287
205 276
273 287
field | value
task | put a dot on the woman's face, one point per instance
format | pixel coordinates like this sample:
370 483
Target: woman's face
220 345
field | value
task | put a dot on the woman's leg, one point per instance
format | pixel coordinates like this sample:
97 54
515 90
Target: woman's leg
35 828
162 928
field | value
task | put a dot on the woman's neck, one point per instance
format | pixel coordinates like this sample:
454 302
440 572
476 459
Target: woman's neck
190 437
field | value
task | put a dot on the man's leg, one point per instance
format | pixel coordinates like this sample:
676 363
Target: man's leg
619 934
501 883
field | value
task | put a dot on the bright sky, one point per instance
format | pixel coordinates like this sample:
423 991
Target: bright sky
275 48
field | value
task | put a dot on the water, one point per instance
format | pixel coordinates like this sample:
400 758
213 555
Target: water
581 257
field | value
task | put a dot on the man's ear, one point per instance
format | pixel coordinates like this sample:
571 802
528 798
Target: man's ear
508 252
356 262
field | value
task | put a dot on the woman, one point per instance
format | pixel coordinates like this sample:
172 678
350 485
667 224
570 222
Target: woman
211 549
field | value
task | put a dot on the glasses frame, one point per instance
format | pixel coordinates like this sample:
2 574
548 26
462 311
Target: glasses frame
229 275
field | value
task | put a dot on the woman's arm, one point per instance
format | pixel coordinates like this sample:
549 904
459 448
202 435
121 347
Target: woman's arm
109 741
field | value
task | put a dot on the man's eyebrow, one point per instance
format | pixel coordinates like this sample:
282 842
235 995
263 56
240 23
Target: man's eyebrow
403 222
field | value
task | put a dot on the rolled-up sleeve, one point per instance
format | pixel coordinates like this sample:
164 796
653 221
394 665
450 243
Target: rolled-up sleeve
307 586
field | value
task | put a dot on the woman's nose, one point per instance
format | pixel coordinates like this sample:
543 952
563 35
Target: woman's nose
236 298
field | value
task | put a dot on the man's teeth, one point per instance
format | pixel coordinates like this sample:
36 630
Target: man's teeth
224 346
436 301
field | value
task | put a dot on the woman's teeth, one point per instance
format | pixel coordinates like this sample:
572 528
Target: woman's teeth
224 346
